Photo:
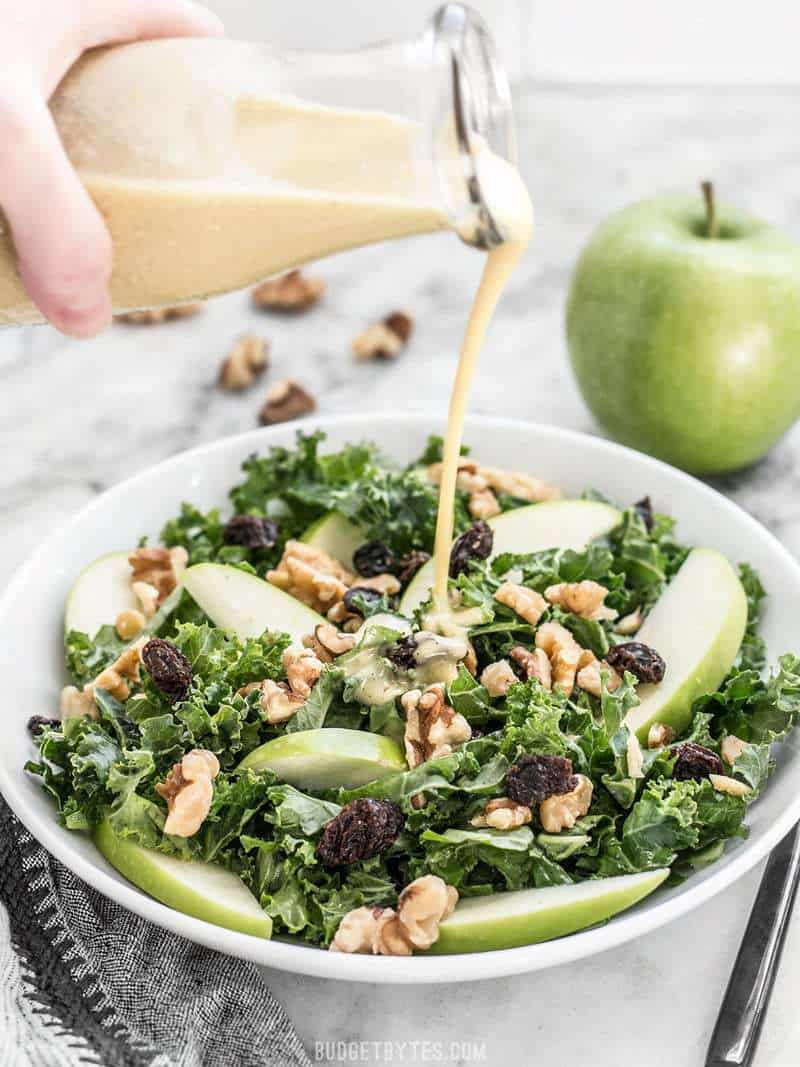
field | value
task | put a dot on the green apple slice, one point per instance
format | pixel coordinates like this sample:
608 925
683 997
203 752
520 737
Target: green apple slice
336 535
527 916
202 890
99 593
553 524
246 605
327 758
697 626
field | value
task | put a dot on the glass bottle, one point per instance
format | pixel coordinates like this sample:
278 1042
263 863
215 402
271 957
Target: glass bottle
217 163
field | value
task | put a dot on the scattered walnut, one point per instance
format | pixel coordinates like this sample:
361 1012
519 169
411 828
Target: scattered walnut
286 400
188 791
75 702
246 361
327 642
581 598
422 905
527 603
147 595
732 786
391 938
502 813
293 291
384 339
356 931
562 811
124 669
129 623
732 748
474 477
152 316
659 735
565 654
498 678
278 702
469 479
535 664
522 486
311 575
589 675
629 624
433 728
303 669
634 757
158 567
386 584
483 504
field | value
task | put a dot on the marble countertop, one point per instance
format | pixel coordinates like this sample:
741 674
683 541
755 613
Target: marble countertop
78 417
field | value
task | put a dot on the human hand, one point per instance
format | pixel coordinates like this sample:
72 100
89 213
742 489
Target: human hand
63 246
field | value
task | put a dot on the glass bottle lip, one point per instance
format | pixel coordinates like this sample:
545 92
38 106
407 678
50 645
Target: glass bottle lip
482 109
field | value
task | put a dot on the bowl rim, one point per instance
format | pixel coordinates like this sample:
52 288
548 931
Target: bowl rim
283 953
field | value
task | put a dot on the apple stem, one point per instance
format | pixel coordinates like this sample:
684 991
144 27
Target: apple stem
712 226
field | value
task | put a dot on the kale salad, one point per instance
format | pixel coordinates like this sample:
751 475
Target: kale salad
266 725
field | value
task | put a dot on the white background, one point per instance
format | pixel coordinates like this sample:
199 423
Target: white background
695 41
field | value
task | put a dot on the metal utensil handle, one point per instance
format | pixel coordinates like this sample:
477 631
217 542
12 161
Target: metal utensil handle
744 1005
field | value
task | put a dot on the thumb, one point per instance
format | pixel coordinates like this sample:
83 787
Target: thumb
63 247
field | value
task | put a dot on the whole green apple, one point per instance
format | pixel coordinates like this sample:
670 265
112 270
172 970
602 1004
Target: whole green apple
683 326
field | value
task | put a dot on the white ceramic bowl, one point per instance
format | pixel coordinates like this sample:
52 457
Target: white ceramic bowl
32 671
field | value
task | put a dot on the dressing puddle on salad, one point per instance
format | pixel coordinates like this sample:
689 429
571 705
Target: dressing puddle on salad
377 708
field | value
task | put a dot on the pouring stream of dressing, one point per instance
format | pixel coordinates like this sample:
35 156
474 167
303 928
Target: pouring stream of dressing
512 210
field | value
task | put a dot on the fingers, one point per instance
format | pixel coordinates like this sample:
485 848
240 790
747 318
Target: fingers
62 244
135 19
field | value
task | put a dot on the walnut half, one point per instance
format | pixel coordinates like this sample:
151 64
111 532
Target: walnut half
433 728
422 905
286 400
562 811
293 292
188 791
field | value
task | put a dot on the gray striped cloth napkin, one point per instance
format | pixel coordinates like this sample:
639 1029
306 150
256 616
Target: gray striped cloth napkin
85 982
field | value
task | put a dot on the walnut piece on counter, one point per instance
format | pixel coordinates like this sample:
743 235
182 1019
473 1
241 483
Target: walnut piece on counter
188 790
384 339
292 292
433 728
503 813
286 400
244 364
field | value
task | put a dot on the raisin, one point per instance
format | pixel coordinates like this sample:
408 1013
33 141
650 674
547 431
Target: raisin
360 593
363 828
251 531
403 653
372 558
644 509
533 779
474 543
641 660
697 762
38 723
169 669
410 564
